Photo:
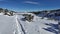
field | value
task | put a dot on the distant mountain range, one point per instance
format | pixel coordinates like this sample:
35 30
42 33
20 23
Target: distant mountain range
52 14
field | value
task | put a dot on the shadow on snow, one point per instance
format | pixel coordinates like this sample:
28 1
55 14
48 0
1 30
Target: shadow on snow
54 28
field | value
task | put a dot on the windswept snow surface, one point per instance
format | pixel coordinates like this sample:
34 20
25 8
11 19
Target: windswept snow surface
6 24
36 26
16 25
9 25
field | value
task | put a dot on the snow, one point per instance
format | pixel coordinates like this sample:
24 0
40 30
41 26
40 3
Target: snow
6 24
15 25
1 13
36 27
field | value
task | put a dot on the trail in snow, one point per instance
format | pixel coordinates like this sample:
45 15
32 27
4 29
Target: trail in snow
36 27
21 26
15 25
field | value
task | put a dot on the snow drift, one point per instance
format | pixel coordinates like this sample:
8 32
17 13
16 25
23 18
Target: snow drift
15 25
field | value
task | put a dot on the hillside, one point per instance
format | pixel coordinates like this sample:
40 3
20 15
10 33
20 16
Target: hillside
28 23
53 14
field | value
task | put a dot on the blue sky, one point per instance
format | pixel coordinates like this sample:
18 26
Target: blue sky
30 5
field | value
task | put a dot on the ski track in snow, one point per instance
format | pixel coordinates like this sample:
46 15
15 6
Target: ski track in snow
15 25
36 27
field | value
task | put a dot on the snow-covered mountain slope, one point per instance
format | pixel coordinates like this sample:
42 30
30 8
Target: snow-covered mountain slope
6 24
9 25
37 26
17 25
1 13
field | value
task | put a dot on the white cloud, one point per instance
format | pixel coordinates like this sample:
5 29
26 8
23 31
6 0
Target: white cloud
30 2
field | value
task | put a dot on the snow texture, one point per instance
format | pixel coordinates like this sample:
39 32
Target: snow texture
16 25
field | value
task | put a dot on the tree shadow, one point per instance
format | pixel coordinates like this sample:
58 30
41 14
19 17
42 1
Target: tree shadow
54 28
23 19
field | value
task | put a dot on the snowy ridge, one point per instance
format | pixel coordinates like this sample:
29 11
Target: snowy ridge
36 27
16 25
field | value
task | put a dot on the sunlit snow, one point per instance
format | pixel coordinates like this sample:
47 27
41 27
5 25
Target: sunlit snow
15 25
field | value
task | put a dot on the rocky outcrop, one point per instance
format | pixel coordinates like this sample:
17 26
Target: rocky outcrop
6 12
